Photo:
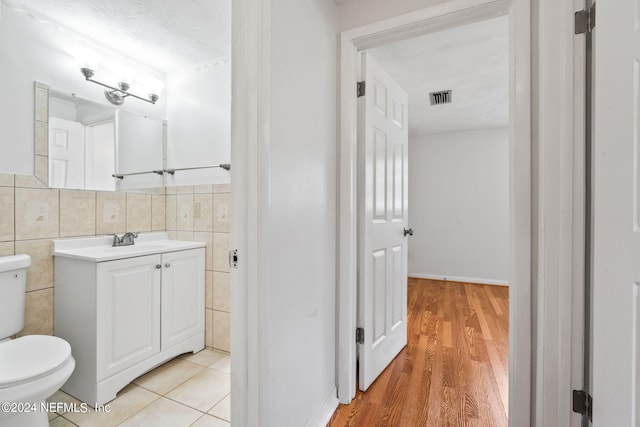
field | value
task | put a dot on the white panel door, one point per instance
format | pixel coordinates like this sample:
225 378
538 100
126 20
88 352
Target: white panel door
616 228
128 312
382 276
182 296
66 153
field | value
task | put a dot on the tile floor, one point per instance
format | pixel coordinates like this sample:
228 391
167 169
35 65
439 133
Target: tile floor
191 390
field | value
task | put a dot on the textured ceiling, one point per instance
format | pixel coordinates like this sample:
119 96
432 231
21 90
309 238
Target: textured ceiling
166 34
471 60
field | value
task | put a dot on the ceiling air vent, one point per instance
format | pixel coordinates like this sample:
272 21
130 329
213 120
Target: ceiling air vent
442 97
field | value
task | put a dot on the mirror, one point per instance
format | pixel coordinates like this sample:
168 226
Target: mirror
99 147
185 130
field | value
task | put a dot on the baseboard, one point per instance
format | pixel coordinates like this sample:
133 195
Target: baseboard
326 411
460 279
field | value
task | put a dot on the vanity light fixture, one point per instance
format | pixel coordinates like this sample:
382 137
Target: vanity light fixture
117 95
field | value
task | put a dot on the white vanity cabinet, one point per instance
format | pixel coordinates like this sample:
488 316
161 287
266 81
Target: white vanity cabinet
125 316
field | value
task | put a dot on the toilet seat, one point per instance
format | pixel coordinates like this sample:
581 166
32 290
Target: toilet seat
31 357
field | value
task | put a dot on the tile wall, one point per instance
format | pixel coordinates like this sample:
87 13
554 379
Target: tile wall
31 216
202 213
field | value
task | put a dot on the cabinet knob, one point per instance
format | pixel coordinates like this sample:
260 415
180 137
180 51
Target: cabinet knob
158 266
167 265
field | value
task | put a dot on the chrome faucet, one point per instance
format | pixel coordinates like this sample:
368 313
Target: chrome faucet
126 240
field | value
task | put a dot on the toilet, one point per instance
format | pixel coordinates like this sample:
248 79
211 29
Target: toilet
32 367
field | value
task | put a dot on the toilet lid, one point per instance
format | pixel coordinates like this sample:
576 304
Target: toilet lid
31 356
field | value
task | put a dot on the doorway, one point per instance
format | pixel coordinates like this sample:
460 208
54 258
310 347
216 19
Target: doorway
433 141
518 263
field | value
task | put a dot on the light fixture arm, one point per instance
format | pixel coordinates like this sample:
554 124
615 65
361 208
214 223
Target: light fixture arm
116 92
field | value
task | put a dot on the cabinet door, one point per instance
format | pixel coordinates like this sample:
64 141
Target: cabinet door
182 295
128 301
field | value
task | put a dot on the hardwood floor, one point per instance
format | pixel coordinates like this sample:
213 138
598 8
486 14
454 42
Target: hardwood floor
454 370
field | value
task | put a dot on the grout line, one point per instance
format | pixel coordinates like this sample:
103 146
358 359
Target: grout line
220 401
184 404
179 384
59 213
196 421
145 406
199 410
14 215
222 419
95 213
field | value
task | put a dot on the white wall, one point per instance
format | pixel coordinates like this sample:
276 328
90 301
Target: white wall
459 205
199 117
29 51
300 251
139 145
355 13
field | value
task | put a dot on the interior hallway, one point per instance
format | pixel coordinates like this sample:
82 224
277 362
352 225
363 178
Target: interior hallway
454 370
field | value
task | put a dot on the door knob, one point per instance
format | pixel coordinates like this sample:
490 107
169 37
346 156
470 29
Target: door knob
408 232
167 265
158 266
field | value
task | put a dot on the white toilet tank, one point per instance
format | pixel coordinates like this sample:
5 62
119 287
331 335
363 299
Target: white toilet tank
13 284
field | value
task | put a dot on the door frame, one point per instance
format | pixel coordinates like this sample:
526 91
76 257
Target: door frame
250 204
431 19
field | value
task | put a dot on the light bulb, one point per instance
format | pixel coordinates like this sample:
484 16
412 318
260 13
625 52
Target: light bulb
87 59
154 86
124 74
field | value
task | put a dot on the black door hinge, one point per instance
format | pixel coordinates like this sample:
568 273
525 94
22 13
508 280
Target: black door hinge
361 88
585 20
583 403
360 335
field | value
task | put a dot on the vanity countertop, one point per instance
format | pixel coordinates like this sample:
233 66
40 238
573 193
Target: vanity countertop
99 249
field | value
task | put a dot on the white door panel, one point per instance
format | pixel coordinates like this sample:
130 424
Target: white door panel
66 153
182 296
616 227
382 278
399 180
128 296
58 173
379 290
399 278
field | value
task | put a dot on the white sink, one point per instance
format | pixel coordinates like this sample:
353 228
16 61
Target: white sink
99 249
134 248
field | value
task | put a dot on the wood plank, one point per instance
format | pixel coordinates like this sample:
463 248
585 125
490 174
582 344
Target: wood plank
454 370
